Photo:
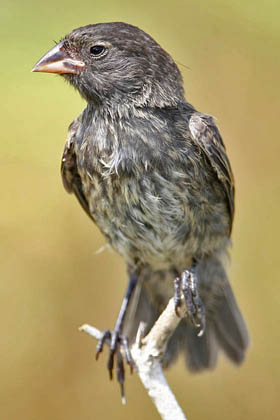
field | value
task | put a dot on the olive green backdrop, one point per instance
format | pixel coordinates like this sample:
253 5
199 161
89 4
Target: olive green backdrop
52 278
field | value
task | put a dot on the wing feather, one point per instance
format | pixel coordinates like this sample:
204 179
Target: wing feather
206 135
70 177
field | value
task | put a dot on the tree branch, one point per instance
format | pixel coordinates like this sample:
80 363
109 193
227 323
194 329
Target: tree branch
147 353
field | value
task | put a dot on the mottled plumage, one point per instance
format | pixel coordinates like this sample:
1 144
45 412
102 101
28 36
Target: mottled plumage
153 174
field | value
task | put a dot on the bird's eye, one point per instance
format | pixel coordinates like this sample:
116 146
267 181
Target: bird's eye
97 50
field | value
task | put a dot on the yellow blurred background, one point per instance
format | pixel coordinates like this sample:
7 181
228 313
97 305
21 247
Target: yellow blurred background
52 279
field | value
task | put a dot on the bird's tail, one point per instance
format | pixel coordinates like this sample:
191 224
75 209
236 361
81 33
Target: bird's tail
225 327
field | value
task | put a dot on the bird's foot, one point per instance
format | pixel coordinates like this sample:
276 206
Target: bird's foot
119 349
187 285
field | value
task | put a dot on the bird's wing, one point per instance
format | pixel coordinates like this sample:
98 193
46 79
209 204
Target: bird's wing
69 171
206 135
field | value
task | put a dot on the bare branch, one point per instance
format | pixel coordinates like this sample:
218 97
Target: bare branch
147 353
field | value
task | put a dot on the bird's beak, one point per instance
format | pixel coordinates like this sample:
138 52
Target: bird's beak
57 60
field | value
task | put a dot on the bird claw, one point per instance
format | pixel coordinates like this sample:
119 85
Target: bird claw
187 285
119 349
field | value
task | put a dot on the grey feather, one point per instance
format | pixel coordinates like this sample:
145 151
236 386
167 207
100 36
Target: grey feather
153 174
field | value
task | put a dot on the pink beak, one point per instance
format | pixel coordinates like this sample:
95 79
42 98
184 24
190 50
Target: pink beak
57 60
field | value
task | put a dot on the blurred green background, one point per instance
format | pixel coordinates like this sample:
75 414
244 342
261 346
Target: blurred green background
52 279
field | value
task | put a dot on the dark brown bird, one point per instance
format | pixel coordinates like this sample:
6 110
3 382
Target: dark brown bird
153 174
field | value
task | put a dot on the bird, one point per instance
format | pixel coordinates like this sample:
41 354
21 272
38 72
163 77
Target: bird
153 174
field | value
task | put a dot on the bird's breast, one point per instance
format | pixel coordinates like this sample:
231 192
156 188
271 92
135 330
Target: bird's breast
148 215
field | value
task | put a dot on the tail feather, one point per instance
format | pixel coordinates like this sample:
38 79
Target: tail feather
202 352
230 329
225 327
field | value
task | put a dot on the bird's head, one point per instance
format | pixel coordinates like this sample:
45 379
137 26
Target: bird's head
115 63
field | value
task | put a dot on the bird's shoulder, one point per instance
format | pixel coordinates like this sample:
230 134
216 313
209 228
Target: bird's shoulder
68 163
206 136
69 171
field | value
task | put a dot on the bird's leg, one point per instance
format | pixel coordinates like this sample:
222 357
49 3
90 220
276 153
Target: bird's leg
187 285
117 340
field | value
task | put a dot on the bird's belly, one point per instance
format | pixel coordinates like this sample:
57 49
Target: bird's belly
151 220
